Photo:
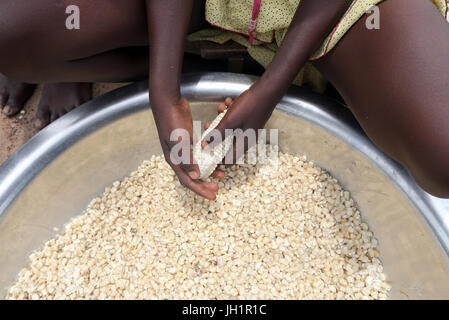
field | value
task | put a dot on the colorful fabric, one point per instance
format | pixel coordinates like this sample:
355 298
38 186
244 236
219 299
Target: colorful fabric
234 21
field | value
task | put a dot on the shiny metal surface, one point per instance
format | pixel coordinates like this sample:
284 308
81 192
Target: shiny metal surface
54 176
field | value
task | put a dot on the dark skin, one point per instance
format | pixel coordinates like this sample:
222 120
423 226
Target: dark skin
56 100
393 79
413 102
13 95
253 108
411 128
59 98
407 115
61 94
170 109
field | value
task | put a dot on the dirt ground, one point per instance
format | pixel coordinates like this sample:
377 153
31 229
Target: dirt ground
15 131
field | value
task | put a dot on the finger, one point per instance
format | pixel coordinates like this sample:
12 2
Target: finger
186 163
217 135
221 107
218 173
206 190
212 186
235 153
191 169
228 101
193 173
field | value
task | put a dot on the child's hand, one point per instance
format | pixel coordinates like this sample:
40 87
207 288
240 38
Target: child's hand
251 110
172 116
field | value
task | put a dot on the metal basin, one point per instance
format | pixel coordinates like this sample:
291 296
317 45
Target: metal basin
55 175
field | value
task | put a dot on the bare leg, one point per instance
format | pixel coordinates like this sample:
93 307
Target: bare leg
42 48
111 46
395 80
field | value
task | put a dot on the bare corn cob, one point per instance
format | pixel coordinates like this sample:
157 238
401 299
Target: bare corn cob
208 160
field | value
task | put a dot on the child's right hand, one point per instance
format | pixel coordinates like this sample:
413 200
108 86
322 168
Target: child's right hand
170 116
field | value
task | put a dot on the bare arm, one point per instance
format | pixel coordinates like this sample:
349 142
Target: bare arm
313 20
168 22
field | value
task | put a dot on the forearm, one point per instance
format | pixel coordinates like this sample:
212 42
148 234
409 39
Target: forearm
168 22
313 20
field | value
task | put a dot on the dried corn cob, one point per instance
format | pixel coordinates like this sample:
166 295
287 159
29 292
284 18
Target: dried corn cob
208 160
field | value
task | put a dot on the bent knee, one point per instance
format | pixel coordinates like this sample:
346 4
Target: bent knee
21 52
427 149
7 45
437 186
14 61
433 177
19 68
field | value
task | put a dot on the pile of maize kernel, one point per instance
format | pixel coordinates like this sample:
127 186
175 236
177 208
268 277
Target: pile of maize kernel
274 232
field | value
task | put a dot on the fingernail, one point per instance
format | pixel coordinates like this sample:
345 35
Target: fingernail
194 175
38 123
7 110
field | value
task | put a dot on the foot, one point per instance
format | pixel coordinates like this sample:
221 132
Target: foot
59 98
14 95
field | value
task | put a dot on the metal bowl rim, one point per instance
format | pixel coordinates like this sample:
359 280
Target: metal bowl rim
21 168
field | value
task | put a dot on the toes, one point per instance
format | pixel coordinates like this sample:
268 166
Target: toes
3 97
18 95
68 109
54 116
12 107
206 125
42 117
61 98
40 123
86 92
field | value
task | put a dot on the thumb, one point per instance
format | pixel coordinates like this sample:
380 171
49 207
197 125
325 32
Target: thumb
192 170
190 167
217 135
179 152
